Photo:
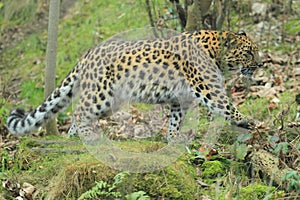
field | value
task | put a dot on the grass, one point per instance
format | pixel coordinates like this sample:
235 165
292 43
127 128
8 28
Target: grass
259 108
292 26
87 24
67 175
82 29
16 12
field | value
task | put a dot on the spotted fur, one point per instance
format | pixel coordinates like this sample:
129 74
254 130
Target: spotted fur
181 68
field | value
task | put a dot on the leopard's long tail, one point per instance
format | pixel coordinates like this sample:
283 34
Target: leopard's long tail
18 122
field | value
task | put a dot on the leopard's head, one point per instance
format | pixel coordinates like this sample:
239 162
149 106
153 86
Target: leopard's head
240 52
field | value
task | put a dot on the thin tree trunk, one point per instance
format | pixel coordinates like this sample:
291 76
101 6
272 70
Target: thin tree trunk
148 7
195 13
194 17
51 57
223 11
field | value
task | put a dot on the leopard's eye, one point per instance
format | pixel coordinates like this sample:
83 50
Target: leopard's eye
249 55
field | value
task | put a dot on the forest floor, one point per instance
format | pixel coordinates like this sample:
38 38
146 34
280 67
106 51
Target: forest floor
55 167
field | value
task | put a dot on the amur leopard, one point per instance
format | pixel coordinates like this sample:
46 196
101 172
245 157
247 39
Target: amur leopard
157 71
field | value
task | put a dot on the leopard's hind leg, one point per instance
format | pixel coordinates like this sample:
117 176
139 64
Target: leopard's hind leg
89 112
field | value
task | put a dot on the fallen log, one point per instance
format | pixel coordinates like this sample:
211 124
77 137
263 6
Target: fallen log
269 164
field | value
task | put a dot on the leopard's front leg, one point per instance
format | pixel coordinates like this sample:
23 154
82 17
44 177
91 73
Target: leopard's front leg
214 97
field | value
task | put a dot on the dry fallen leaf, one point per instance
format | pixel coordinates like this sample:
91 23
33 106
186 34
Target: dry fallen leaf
27 190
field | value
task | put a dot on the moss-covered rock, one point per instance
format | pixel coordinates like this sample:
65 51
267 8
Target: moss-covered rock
59 173
177 181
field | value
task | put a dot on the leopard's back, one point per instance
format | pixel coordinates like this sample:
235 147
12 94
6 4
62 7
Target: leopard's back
173 70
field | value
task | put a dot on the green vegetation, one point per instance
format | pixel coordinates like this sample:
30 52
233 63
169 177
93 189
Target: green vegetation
86 25
257 191
292 179
17 12
260 110
212 168
104 190
292 26
62 169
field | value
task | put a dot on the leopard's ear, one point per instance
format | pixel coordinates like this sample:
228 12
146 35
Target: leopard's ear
241 32
231 39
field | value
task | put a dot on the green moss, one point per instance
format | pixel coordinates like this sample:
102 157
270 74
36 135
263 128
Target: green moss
55 173
173 182
60 175
77 177
171 191
67 175
256 191
212 168
143 107
253 191
140 145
